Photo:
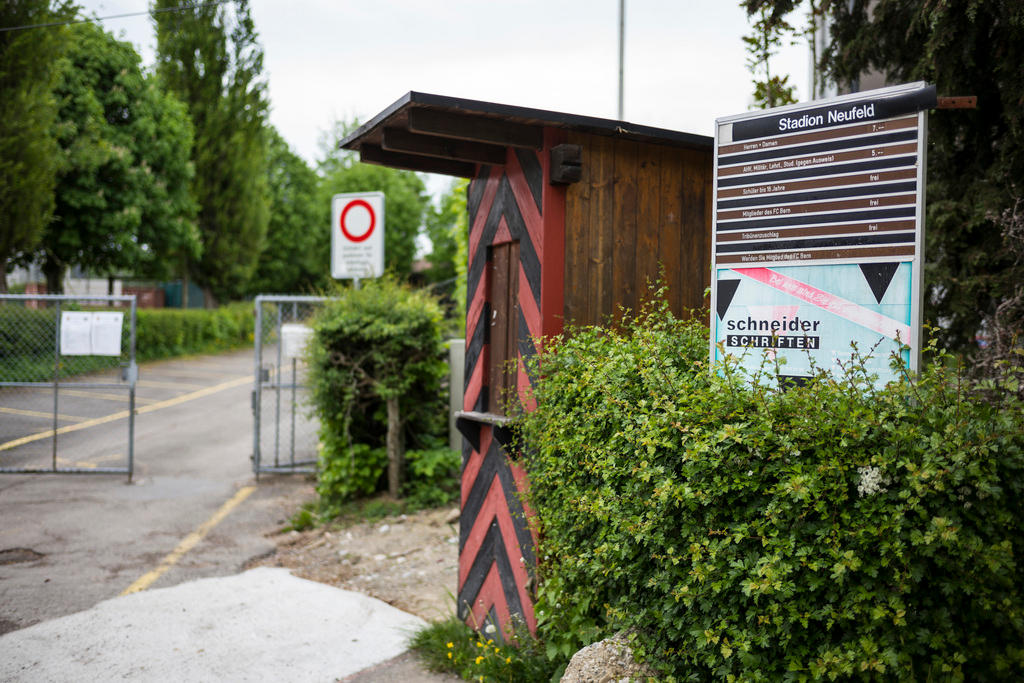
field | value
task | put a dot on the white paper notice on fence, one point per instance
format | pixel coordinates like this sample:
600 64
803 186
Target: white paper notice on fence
294 339
106 334
75 334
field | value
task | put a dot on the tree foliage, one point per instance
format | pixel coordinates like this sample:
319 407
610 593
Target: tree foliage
405 195
763 43
29 67
441 223
122 200
975 157
208 54
296 253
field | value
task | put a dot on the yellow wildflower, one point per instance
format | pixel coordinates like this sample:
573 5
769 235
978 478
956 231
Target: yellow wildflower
479 659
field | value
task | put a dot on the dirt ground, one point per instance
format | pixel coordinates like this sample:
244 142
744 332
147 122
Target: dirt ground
410 561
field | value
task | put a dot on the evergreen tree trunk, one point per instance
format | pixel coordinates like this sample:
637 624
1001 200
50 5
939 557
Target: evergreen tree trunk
184 285
3 276
54 277
396 455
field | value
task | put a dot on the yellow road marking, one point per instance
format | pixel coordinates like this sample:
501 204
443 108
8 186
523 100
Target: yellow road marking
37 413
186 372
167 385
189 542
95 394
90 464
124 413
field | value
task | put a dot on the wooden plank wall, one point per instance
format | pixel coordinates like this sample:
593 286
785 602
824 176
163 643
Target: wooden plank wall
638 206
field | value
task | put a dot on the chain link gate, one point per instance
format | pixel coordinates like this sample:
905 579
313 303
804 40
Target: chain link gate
67 363
285 434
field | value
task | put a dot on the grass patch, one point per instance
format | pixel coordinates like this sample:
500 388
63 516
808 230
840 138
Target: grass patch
450 646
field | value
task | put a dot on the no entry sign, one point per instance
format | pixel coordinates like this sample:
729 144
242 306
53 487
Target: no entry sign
818 230
357 235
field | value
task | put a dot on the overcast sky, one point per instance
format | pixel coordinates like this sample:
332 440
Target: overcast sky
331 59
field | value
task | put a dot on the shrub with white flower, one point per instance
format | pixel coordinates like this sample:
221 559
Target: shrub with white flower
871 481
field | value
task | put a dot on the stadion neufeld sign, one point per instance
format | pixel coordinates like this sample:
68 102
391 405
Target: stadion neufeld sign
818 232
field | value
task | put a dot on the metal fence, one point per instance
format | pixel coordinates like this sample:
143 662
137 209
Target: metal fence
67 365
285 434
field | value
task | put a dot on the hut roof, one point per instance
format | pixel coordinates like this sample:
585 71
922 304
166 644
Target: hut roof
450 135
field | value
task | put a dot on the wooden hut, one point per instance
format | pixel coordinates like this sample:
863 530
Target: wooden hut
570 217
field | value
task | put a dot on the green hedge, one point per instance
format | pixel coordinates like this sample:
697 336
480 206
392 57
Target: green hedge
831 531
169 332
27 338
382 340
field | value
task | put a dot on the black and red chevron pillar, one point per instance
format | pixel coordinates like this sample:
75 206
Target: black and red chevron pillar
510 203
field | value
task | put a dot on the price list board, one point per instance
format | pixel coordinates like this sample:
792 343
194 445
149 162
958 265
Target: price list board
818 238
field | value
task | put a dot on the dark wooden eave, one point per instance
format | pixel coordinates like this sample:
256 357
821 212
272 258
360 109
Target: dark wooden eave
451 136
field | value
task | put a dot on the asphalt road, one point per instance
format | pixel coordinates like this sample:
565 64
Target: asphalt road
193 509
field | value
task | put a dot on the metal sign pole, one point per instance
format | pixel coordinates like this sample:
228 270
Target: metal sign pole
133 372
56 382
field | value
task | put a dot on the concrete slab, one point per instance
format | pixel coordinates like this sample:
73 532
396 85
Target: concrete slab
262 625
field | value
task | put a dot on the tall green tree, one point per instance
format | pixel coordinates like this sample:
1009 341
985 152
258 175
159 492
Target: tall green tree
768 30
441 225
975 157
208 54
405 196
122 199
29 61
296 253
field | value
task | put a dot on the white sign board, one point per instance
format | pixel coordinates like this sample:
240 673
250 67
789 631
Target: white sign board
91 334
818 233
357 235
294 339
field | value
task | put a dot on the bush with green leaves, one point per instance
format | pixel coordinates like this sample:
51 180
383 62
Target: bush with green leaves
383 341
830 531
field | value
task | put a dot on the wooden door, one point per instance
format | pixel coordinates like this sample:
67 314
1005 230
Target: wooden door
504 330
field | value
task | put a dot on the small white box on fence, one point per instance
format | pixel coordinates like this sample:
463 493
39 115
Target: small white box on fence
294 339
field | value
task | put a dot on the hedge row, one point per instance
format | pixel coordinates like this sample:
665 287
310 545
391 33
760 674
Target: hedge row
821 532
168 332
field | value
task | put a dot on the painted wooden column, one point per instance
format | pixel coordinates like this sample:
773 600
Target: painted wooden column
512 204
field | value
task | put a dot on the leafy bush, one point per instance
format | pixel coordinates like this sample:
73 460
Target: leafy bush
826 531
379 342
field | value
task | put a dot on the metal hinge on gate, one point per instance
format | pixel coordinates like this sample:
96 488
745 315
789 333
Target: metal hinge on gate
130 373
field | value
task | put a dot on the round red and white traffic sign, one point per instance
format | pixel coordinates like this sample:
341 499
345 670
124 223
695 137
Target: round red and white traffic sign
358 219
357 235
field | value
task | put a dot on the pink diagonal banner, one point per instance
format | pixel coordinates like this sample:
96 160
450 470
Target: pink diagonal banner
848 310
